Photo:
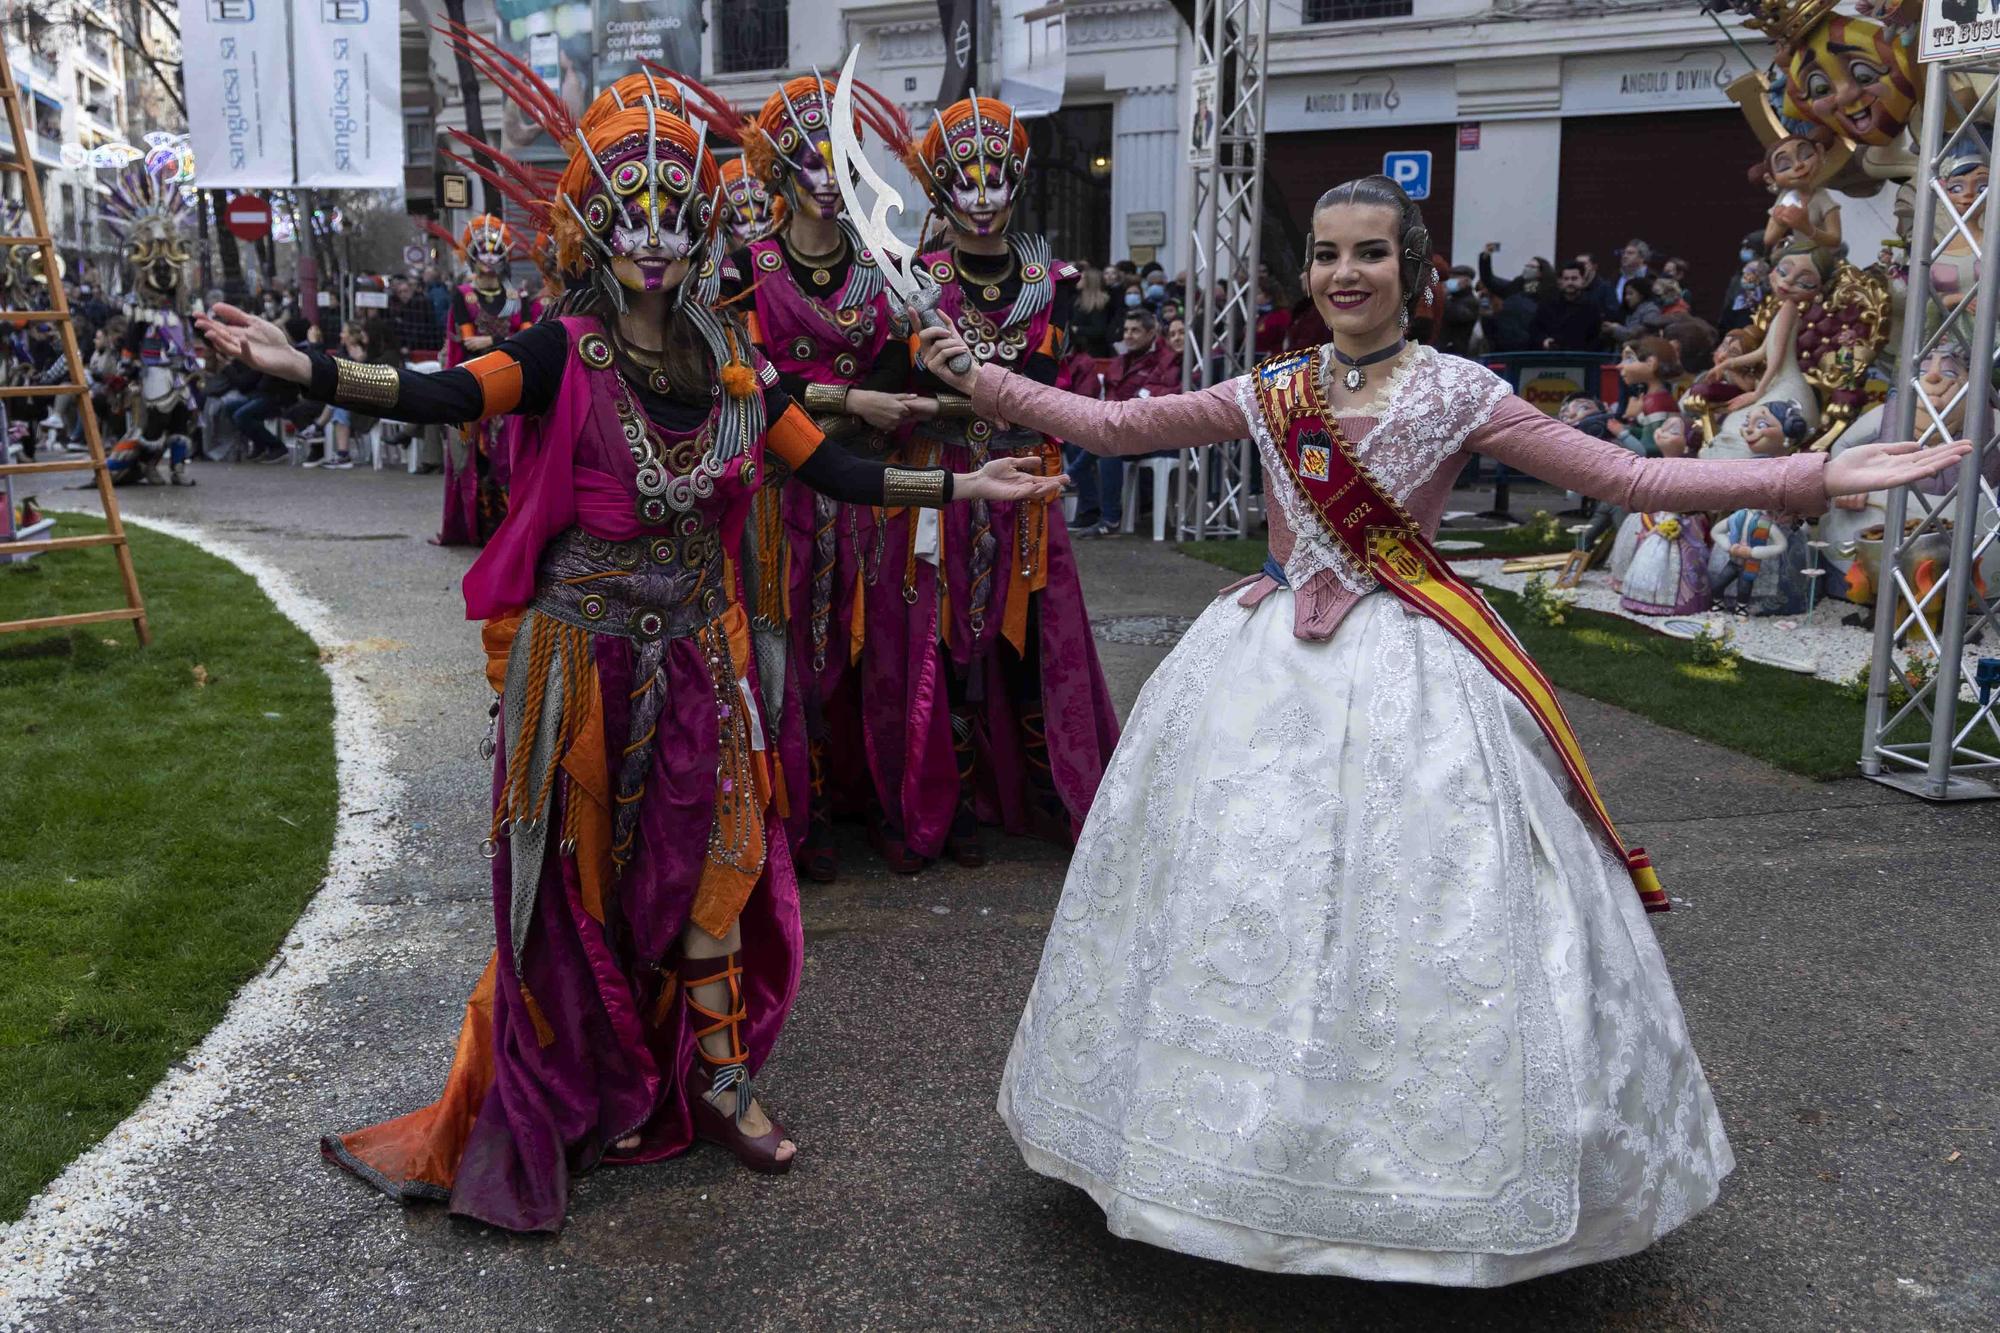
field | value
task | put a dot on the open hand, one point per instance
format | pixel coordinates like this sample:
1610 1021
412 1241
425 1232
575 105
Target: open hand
1015 478
935 350
257 343
1890 463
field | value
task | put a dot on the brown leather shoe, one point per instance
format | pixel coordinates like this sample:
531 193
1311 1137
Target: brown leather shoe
889 844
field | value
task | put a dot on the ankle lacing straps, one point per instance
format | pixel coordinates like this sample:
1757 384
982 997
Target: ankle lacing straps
730 1071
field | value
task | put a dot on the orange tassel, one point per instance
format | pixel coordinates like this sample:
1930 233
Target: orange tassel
738 380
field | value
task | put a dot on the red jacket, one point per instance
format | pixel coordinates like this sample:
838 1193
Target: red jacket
1154 372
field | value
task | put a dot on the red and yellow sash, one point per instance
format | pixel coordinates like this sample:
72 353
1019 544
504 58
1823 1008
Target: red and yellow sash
1378 533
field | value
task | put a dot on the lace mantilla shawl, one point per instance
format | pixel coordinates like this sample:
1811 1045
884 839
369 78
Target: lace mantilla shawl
1425 412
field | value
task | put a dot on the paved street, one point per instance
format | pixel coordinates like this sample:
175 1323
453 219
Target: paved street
1838 955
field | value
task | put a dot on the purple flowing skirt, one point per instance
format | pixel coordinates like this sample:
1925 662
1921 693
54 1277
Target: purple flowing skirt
915 641
585 1042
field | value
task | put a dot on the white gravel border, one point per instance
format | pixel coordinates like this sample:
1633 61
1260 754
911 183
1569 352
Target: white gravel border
1835 651
81 1217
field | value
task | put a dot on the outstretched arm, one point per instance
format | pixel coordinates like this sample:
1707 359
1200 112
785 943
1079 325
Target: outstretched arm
1138 426
519 375
1522 437
825 467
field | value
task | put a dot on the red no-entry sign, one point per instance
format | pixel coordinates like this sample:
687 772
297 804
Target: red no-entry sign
247 217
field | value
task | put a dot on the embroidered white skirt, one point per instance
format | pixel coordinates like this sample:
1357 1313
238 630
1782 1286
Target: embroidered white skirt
1340 983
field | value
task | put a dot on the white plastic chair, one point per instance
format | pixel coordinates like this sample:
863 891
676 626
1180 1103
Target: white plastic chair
1163 470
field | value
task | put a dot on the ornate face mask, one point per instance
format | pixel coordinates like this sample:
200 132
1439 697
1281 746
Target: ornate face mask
159 260
150 216
977 167
488 245
805 153
645 205
749 214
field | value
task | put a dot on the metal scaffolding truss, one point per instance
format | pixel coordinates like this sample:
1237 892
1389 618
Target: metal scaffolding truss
1934 744
1229 38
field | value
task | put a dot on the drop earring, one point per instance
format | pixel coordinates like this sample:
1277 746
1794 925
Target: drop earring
1403 318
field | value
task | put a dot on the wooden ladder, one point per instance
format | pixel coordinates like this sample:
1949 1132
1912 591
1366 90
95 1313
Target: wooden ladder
75 387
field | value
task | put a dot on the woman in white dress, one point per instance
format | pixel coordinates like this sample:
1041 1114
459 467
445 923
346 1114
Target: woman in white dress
1344 979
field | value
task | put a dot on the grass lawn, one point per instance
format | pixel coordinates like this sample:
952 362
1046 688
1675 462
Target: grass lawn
1245 555
165 813
1799 723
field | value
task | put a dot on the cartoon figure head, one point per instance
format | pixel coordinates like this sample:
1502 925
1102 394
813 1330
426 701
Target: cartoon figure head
1645 360
1856 78
1941 376
1799 274
1775 427
1579 407
1963 171
1793 163
1672 437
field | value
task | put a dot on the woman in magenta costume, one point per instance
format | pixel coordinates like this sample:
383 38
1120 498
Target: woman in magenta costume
485 310
819 310
982 695
1350 975
647 927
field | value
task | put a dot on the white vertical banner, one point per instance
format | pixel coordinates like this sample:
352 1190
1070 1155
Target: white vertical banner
1034 56
239 98
347 69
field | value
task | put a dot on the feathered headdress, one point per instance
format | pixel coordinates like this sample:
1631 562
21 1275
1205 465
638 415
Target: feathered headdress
638 164
150 215
141 204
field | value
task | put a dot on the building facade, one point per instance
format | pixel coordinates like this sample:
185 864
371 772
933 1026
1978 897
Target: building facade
69 63
1548 126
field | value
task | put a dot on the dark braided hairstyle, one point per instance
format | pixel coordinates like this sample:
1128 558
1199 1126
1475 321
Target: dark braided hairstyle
1413 237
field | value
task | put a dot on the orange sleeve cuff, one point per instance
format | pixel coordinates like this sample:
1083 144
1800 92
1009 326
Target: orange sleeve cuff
499 377
793 437
1051 336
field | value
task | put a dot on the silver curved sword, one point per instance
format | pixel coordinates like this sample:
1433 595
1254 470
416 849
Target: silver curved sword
857 176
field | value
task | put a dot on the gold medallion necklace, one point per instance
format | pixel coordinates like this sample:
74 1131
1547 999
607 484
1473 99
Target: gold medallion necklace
990 291
819 267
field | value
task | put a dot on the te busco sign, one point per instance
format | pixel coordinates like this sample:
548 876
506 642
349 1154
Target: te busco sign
1959 28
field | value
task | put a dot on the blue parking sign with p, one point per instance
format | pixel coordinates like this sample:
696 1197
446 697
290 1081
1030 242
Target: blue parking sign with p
1410 170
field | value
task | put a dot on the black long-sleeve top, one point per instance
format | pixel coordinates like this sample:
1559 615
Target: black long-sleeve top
449 397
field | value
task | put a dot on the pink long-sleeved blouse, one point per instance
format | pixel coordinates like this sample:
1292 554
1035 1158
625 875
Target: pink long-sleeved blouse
1434 411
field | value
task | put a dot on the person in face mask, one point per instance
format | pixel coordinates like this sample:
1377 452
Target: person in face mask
1461 310
1749 252
1274 316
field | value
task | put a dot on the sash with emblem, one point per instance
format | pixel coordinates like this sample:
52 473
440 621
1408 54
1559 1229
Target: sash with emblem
1378 534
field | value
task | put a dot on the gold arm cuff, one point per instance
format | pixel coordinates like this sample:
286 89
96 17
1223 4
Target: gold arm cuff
837 425
358 384
954 405
826 398
920 488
